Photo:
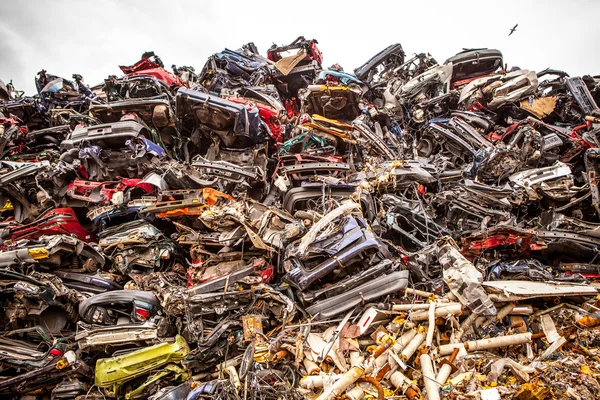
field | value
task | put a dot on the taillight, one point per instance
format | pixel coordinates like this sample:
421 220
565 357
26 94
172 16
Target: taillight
267 274
141 310
130 117
56 352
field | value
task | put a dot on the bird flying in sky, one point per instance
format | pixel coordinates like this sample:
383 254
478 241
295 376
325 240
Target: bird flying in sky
514 28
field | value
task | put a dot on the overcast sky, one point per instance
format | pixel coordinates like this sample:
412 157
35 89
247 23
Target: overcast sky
93 38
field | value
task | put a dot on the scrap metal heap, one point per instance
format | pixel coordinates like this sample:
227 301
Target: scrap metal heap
272 229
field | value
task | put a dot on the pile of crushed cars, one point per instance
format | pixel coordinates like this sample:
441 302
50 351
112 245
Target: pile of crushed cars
269 228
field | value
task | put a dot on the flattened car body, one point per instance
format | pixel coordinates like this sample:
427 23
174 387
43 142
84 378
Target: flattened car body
112 373
232 122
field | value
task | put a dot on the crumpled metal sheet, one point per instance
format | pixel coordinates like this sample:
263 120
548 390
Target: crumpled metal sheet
464 280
